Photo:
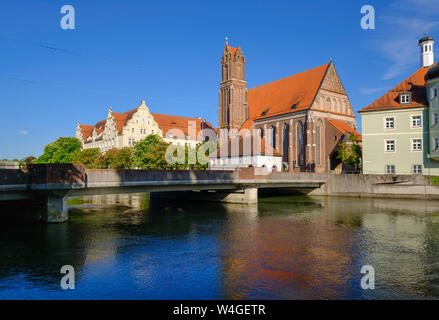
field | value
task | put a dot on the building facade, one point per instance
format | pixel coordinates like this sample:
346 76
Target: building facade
433 102
246 151
303 117
400 128
120 130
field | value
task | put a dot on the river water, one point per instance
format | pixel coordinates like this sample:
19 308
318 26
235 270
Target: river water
294 247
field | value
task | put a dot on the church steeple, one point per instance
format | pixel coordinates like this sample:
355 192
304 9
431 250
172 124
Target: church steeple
233 109
427 50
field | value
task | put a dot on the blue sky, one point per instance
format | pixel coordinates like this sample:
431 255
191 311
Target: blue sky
168 53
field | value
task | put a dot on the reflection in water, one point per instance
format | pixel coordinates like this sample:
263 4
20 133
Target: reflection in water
124 247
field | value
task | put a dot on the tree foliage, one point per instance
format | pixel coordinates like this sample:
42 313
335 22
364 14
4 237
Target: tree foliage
29 159
60 151
150 153
121 159
350 152
87 157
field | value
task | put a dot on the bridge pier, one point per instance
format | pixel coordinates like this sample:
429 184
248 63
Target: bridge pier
53 208
245 196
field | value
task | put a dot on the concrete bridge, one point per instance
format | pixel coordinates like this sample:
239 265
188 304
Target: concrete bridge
50 185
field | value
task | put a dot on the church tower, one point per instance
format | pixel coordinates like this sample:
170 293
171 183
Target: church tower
233 108
427 51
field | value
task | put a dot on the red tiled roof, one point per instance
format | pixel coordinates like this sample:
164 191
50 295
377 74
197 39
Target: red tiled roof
86 130
165 123
414 84
344 128
100 126
122 119
248 146
168 122
290 94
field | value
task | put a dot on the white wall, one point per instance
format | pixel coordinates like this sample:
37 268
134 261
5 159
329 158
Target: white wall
231 163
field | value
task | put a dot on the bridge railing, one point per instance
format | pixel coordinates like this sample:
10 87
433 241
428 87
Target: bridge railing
76 176
284 176
103 175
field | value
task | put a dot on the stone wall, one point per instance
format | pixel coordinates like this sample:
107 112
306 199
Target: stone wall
13 177
64 173
379 186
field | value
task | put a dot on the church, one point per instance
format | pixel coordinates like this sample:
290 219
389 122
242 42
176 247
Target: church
302 117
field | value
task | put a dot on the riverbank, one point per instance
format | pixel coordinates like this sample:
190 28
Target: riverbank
378 186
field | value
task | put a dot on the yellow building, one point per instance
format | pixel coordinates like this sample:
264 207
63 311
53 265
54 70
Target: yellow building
120 130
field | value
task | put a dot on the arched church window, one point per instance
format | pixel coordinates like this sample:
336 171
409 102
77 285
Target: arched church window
300 145
286 142
273 136
318 146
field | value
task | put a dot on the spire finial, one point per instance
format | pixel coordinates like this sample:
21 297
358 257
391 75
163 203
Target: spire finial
227 40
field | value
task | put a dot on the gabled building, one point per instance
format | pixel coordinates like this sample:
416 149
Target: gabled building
401 127
246 151
120 130
294 115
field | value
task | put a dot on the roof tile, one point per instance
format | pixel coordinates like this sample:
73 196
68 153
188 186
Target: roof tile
414 84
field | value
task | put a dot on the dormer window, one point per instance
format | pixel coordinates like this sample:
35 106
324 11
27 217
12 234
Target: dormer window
294 106
405 98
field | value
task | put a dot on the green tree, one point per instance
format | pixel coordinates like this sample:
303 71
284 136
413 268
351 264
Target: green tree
29 159
87 157
60 151
23 163
115 159
203 152
186 157
105 159
350 152
150 152
122 159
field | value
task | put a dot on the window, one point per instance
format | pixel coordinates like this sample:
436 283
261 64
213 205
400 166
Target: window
390 123
417 144
436 143
416 121
390 145
132 130
435 118
390 169
273 137
318 148
405 98
435 93
417 169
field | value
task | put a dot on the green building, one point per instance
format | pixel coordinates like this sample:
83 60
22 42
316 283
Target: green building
400 129
433 101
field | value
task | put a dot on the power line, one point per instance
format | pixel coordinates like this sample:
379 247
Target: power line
61 85
52 48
